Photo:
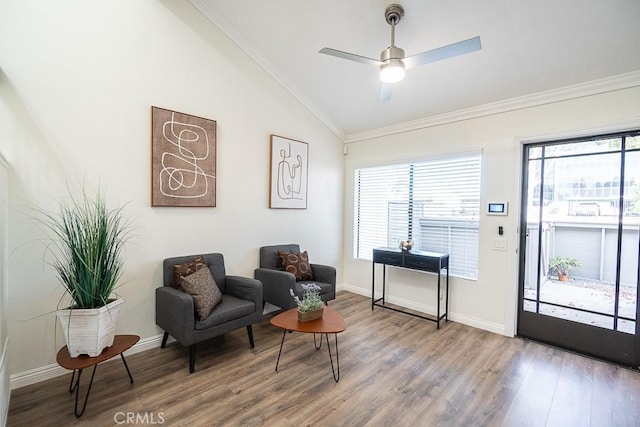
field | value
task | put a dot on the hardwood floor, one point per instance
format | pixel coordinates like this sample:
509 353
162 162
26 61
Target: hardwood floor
396 370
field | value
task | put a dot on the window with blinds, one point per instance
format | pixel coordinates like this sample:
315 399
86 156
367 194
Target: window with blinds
434 203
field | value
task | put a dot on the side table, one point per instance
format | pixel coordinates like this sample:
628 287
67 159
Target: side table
121 343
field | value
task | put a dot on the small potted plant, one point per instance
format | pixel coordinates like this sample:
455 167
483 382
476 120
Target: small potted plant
88 258
311 306
562 266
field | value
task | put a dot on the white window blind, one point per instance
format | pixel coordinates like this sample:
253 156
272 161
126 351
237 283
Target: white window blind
434 203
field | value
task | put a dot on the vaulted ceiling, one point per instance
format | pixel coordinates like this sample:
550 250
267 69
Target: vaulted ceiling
529 49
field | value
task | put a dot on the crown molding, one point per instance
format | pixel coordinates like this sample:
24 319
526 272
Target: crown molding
207 10
594 87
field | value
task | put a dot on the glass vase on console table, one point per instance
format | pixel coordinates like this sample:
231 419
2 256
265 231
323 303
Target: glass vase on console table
405 245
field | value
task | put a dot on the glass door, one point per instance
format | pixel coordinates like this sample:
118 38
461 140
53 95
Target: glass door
580 240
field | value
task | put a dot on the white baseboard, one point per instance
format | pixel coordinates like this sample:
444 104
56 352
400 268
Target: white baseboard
428 309
6 391
496 328
43 373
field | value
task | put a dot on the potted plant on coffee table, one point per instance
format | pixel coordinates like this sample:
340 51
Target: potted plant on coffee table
87 250
562 266
311 306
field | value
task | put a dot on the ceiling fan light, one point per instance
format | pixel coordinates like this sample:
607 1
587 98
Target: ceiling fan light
392 72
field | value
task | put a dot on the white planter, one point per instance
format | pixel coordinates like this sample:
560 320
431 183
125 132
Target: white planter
89 331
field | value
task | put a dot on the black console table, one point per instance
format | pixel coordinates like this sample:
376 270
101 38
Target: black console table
431 262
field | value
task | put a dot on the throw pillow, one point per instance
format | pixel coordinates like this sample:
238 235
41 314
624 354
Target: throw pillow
297 264
182 270
202 287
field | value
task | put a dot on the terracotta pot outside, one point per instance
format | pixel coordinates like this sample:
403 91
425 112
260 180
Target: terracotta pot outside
563 277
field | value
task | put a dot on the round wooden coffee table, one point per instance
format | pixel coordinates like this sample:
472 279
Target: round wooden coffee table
331 322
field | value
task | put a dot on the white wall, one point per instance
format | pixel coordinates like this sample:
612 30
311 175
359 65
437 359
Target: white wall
490 302
77 84
4 244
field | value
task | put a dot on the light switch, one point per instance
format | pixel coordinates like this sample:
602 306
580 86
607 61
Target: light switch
499 244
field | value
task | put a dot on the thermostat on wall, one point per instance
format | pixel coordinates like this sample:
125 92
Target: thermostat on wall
501 208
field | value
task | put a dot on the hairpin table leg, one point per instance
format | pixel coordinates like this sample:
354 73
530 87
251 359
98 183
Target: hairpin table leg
316 345
336 378
76 387
126 367
284 334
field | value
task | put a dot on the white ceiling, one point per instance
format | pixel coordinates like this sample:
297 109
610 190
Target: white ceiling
528 47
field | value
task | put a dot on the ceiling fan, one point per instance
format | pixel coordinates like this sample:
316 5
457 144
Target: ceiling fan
392 61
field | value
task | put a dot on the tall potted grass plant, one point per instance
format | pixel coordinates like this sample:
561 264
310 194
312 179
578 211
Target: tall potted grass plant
88 259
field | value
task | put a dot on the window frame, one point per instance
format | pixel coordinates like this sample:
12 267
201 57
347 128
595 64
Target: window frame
412 224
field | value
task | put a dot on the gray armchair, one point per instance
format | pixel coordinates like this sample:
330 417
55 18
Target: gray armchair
276 282
241 306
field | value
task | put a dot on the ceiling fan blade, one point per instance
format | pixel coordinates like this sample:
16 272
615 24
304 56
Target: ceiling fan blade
385 92
350 56
444 52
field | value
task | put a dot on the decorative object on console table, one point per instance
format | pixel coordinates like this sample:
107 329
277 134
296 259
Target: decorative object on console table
183 166
289 173
87 250
406 245
310 307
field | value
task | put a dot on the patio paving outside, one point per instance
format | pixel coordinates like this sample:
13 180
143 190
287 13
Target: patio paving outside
586 294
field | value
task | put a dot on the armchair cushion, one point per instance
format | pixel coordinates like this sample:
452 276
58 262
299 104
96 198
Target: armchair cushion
296 264
185 269
231 308
201 286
